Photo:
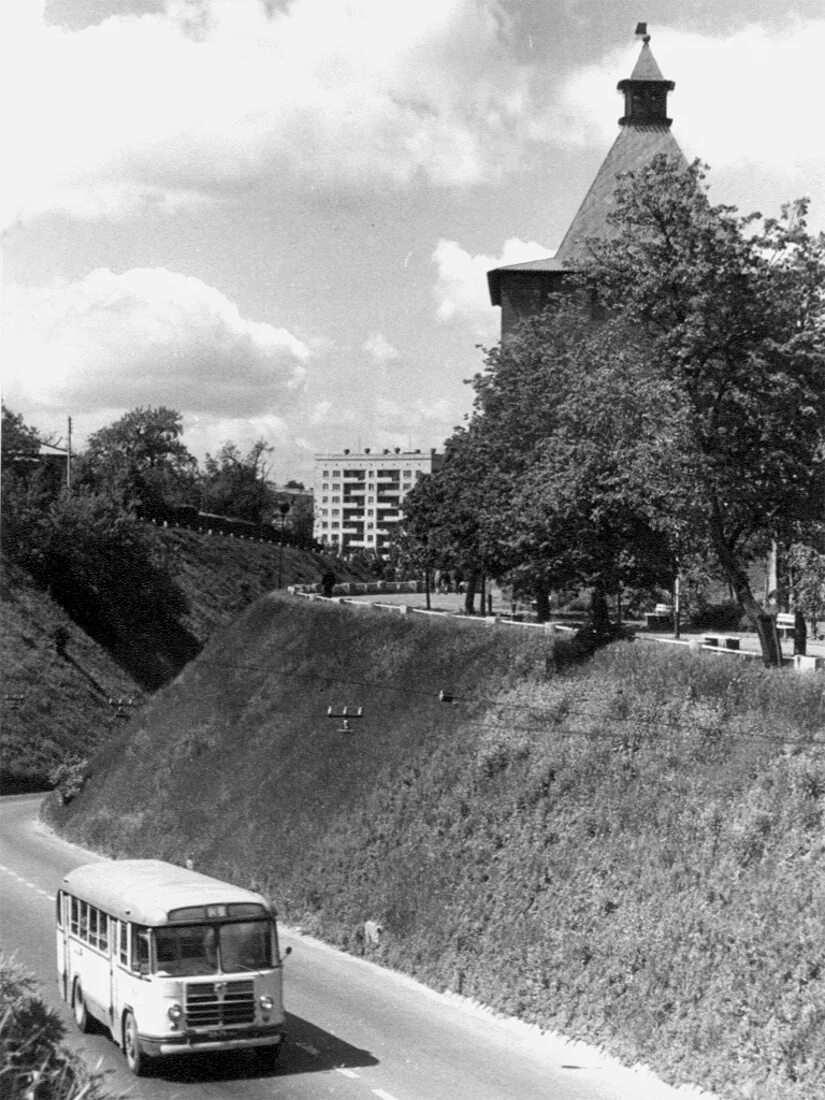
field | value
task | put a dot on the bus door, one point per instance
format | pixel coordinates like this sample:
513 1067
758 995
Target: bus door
63 944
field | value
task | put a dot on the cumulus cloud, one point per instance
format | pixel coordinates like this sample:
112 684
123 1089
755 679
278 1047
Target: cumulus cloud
379 349
179 105
461 286
147 336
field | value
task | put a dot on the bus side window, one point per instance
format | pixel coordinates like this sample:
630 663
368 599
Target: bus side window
93 919
76 916
140 949
124 943
103 931
84 921
59 903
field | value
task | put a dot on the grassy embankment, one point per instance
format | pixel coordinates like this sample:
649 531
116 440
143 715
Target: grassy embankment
629 852
58 703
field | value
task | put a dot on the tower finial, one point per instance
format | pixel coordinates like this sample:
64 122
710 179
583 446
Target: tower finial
641 32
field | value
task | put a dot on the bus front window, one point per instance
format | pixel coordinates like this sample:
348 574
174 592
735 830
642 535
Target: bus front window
245 945
206 948
190 949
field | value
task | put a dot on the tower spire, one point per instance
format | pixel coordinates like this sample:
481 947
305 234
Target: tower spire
645 91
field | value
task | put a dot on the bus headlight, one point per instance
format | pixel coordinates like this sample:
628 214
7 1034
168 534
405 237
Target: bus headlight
174 1012
267 1004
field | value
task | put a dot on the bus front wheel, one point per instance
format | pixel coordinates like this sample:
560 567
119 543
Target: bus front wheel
136 1060
81 1016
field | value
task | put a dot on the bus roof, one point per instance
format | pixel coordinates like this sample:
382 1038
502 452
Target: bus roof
145 890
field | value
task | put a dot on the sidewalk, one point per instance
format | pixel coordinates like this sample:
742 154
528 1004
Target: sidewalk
452 603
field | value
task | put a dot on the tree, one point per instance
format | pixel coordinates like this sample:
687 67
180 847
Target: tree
730 311
443 515
28 483
684 417
17 438
237 485
140 461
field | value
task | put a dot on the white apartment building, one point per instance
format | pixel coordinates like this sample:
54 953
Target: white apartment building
358 496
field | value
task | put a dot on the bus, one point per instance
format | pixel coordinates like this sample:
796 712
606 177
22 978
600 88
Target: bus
169 960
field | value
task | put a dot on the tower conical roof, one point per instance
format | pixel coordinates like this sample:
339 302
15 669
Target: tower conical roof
644 134
646 67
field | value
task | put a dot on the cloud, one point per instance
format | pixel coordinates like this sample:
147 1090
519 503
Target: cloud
147 336
182 105
461 287
380 350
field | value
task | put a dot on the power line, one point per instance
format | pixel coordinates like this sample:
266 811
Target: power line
546 712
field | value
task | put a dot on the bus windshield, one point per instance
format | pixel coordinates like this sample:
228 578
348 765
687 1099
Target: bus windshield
213 948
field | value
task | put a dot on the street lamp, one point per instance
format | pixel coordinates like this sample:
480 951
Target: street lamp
283 509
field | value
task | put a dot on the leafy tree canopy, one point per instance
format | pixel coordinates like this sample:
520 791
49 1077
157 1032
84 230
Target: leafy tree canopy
237 485
140 460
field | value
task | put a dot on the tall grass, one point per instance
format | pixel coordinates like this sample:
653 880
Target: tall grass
630 851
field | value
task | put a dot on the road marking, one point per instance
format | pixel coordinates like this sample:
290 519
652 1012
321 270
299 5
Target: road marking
346 1072
25 882
308 1047
383 1095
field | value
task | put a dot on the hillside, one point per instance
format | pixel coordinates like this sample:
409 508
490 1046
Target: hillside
628 851
67 701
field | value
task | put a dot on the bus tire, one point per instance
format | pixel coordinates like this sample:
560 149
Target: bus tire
136 1060
81 1015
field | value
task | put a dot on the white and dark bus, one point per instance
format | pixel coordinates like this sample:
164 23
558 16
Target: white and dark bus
169 960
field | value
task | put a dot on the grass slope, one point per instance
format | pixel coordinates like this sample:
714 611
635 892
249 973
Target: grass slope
630 852
54 705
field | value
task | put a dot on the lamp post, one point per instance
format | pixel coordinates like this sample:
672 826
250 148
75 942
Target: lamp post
283 509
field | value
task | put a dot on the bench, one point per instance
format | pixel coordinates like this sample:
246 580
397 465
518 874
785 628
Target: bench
785 624
721 641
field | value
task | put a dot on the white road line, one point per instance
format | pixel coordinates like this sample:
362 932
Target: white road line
308 1047
346 1072
382 1094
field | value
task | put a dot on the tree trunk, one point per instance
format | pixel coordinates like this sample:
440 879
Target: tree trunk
764 624
800 634
470 595
542 595
599 611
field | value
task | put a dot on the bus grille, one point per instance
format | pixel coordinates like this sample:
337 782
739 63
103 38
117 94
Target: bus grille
219 1004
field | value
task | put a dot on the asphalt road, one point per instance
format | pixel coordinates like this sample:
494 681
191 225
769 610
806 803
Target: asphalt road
356 1031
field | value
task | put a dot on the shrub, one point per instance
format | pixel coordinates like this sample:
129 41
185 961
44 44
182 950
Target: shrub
717 616
69 777
34 1064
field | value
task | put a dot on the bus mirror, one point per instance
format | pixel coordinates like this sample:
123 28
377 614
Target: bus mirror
287 951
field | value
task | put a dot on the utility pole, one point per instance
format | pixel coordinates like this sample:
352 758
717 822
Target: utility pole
69 459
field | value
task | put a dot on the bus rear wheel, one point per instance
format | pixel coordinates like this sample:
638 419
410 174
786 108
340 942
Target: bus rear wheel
136 1060
81 1015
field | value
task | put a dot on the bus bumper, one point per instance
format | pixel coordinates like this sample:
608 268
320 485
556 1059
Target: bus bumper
191 1042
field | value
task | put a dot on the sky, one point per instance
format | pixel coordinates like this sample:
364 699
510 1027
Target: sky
276 216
